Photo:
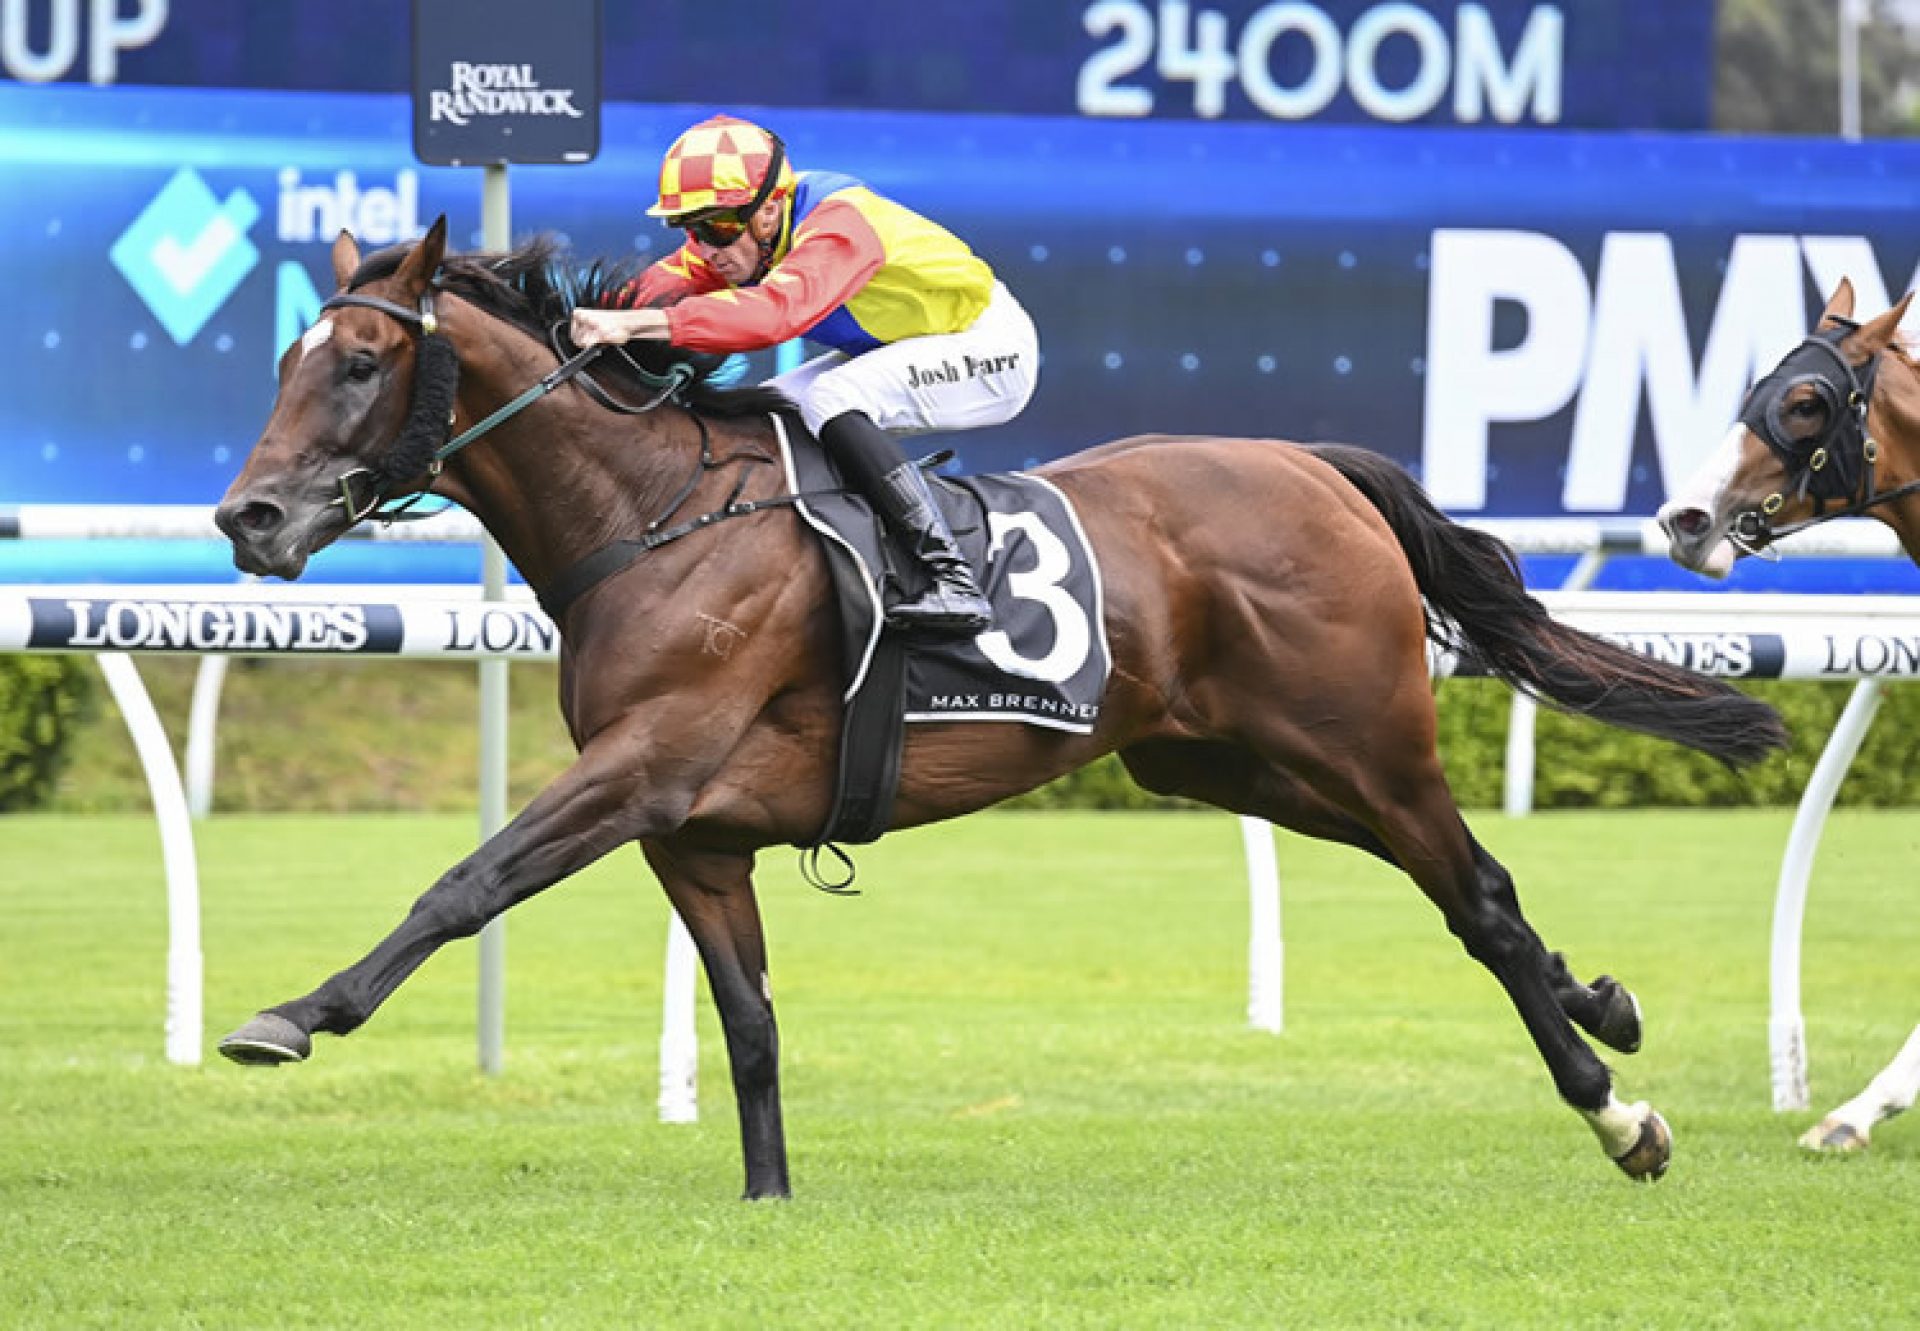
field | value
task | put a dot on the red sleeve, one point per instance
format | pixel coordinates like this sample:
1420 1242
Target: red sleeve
681 274
835 251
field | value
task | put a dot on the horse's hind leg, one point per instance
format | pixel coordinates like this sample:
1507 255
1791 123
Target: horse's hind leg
1232 778
1476 896
713 892
1235 779
1384 775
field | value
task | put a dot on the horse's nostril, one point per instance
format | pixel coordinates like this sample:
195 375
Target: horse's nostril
257 517
1690 521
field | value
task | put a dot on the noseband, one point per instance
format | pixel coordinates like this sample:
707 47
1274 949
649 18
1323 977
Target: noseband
1835 466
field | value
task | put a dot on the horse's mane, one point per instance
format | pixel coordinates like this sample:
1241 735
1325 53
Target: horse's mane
535 286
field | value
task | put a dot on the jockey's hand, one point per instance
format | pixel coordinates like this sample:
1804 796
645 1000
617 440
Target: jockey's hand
594 327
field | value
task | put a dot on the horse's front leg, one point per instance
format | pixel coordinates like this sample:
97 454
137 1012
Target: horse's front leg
603 800
713 892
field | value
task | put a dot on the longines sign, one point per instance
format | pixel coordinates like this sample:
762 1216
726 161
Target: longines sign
1842 653
272 628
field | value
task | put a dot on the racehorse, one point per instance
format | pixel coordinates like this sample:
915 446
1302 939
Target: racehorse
1264 611
1833 431
1825 435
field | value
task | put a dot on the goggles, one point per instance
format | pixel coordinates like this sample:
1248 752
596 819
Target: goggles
717 230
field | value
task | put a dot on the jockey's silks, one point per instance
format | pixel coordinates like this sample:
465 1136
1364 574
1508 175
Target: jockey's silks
852 270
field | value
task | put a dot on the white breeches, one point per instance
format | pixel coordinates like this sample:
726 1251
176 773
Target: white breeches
947 381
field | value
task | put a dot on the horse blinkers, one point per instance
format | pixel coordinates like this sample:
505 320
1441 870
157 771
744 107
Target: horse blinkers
1834 466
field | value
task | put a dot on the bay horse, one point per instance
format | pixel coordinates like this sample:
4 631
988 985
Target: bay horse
1833 431
1263 602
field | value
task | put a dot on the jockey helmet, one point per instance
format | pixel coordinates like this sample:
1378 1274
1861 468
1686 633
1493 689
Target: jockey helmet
721 163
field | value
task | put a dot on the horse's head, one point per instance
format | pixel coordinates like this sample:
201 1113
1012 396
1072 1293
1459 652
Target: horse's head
1809 438
350 422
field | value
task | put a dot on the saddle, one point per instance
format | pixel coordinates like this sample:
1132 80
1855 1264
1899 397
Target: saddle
1044 662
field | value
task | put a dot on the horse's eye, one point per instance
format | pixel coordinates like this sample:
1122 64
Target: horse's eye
1806 409
361 368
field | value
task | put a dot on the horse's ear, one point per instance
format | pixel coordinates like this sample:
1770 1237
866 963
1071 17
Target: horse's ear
1879 331
346 259
419 267
1840 304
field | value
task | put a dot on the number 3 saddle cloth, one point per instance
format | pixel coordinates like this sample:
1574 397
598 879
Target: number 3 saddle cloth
1044 662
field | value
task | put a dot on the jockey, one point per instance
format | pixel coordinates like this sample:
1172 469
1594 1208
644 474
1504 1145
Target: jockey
920 334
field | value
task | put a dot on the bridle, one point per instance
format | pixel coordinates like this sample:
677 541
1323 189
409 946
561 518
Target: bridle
422 445
1835 466
430 417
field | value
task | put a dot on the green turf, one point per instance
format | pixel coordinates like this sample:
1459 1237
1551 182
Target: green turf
1020 1091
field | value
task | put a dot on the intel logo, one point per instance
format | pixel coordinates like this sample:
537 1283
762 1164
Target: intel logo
375 214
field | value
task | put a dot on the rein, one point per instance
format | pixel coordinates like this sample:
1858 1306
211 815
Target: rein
433 390
1844 444
439 374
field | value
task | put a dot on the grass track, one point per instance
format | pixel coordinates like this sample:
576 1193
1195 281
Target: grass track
1019 1092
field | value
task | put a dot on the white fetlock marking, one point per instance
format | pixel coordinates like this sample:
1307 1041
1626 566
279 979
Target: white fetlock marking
1616 1125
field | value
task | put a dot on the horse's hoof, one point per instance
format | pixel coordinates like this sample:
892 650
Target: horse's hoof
1619 1024
1830 1136
266 1040
1652 1151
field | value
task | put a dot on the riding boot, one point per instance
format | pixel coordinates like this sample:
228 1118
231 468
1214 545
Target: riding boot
952 603
868 456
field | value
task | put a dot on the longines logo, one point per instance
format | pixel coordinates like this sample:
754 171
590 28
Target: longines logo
200 626
520 632
1872 654
1724 654
497 90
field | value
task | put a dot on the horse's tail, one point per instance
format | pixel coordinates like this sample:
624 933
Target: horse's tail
1473 580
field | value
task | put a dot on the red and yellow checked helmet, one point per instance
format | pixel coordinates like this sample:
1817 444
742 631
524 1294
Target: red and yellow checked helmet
720 163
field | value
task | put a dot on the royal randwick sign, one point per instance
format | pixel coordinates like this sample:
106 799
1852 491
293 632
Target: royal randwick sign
503 81
479 92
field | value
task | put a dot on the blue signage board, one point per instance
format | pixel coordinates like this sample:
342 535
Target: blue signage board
1600 64
1538 324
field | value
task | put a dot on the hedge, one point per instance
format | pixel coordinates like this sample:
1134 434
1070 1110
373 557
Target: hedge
1583 765
43 701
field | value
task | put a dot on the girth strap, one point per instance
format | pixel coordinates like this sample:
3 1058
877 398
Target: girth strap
872 736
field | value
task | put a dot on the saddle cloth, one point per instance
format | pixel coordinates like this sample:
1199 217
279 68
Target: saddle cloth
1044 662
